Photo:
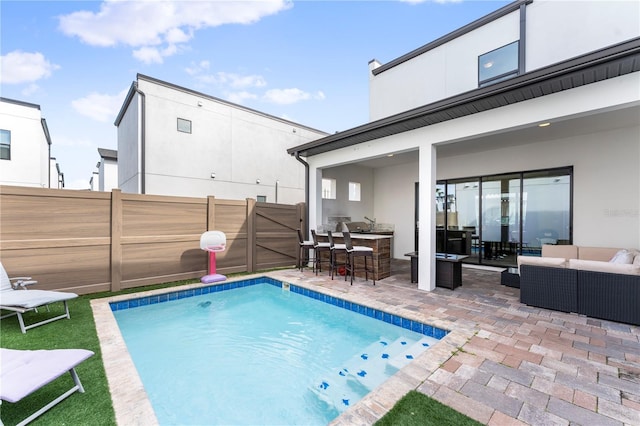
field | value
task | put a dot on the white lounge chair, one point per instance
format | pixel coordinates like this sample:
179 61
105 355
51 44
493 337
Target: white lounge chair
24 372
15 297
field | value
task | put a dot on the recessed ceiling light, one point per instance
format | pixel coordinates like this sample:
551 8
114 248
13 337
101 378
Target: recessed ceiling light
389 155
544 124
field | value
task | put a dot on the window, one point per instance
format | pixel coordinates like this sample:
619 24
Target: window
184 125
499 64
329 189
261 198
5 144
354 191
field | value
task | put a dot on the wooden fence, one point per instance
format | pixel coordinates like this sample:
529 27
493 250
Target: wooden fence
89 242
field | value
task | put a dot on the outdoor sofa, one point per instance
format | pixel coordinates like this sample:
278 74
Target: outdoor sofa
594 281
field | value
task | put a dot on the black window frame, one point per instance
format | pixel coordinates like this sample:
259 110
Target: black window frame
505 75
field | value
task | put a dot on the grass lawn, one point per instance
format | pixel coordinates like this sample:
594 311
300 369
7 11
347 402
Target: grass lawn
94 406
417 409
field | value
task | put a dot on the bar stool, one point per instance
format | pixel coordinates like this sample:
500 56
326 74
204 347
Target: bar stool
341 248
318 248
305 249
357 251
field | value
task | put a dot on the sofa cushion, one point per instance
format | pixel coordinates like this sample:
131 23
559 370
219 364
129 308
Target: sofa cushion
603 254
554 262
624 257
565 251
597 266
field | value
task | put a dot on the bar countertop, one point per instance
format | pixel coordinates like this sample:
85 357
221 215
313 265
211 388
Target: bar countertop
358 235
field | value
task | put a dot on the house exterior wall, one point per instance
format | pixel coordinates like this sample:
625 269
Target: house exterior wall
605 162
452 68
129 148
238 145
108 173
341 206
29 163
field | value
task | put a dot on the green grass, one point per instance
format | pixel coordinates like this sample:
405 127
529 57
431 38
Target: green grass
417 409
94 407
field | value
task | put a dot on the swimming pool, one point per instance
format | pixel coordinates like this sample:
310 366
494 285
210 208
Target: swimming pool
274 381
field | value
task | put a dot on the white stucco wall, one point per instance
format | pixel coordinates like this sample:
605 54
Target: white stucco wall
596 156
555 31
129 139
240 146
29 163
108 173
559 30
341 206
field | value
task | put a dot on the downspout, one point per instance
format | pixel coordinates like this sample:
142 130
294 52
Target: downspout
306 192
142 140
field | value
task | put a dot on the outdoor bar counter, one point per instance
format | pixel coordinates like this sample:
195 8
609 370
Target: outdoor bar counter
381 245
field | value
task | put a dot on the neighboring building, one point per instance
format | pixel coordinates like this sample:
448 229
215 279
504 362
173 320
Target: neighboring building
523 126
107 174
176 141
25 146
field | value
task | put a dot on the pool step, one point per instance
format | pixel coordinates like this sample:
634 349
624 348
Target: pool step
365 371
412 352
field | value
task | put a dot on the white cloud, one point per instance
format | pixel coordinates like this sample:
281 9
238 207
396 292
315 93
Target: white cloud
196 69
30 89
290 96
100 107
146 24
24 67
224 79
240 97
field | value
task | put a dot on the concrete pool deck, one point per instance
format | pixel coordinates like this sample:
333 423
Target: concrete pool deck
504 363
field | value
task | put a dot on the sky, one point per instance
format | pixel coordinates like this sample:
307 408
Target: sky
304 61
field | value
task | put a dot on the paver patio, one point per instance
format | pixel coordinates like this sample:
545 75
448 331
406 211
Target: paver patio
504 363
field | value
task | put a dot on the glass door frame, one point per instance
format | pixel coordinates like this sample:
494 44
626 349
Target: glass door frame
521 175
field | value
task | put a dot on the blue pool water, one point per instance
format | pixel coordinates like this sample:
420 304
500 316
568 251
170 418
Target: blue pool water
260 354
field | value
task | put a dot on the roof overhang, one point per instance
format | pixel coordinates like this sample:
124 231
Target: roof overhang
607 63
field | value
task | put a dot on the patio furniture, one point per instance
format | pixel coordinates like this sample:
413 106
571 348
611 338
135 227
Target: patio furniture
510 277
340 248
15 297
580 279
355 252
448 269
319 248
305 247
23 372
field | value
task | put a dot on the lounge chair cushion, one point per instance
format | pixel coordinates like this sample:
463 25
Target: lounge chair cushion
33 298
24 372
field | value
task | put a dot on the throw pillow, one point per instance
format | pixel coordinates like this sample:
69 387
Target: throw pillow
623 256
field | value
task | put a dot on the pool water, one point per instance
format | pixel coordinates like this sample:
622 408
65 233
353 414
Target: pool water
260 355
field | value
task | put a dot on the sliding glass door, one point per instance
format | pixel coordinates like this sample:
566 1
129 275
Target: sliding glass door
493 219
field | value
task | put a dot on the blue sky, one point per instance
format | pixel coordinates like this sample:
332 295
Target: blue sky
306 61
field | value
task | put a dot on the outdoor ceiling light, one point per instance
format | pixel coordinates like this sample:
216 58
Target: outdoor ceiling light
544 124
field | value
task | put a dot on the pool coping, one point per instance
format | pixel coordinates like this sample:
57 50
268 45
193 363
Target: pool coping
131 403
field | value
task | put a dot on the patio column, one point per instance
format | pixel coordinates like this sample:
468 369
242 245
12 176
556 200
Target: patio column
427 216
